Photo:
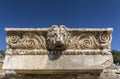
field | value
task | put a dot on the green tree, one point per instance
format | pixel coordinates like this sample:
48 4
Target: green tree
2 52
116 56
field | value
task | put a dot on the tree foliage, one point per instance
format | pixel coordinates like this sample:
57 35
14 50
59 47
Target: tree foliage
116 56
2 52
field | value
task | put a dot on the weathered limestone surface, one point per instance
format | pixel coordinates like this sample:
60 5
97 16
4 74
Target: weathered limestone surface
37 62
82 52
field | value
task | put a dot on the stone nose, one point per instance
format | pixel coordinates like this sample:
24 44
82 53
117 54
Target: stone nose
58 39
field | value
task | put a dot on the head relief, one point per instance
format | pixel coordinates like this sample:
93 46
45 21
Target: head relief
57 38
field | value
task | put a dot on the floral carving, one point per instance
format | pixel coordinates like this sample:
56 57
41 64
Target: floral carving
59 39
26 40
86 42
13 37
83 41
105 37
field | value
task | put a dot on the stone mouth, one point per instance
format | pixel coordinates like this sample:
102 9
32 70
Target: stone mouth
59 47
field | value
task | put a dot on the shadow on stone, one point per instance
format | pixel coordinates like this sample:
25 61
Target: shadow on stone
53 57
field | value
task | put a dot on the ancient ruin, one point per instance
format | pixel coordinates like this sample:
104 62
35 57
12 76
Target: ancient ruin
59 52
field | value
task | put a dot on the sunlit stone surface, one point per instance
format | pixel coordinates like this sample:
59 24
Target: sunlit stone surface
84 52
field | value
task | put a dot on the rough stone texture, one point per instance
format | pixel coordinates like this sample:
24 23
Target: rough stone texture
60 53
112 72
37 62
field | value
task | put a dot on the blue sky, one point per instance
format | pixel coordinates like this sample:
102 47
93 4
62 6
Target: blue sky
71 13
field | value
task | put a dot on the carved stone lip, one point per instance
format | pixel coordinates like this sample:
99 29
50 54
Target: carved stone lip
59 46
70 29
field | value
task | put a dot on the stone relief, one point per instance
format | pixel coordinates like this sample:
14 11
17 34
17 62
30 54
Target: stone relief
80 48
25 40
90 40
59 39
67 52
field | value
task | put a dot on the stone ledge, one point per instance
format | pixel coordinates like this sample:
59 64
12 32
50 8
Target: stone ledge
70 29
46 52
61 71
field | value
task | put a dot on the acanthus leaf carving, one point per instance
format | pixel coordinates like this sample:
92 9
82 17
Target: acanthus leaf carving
59 39
83 41
26 40
105 37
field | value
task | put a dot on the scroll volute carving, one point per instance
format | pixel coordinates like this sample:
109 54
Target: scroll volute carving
57 38
60 38
26 40
83 40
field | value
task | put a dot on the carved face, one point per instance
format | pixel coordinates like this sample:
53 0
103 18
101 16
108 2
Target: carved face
57 38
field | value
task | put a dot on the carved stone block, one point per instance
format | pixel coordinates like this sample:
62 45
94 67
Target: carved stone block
58 50
58 38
